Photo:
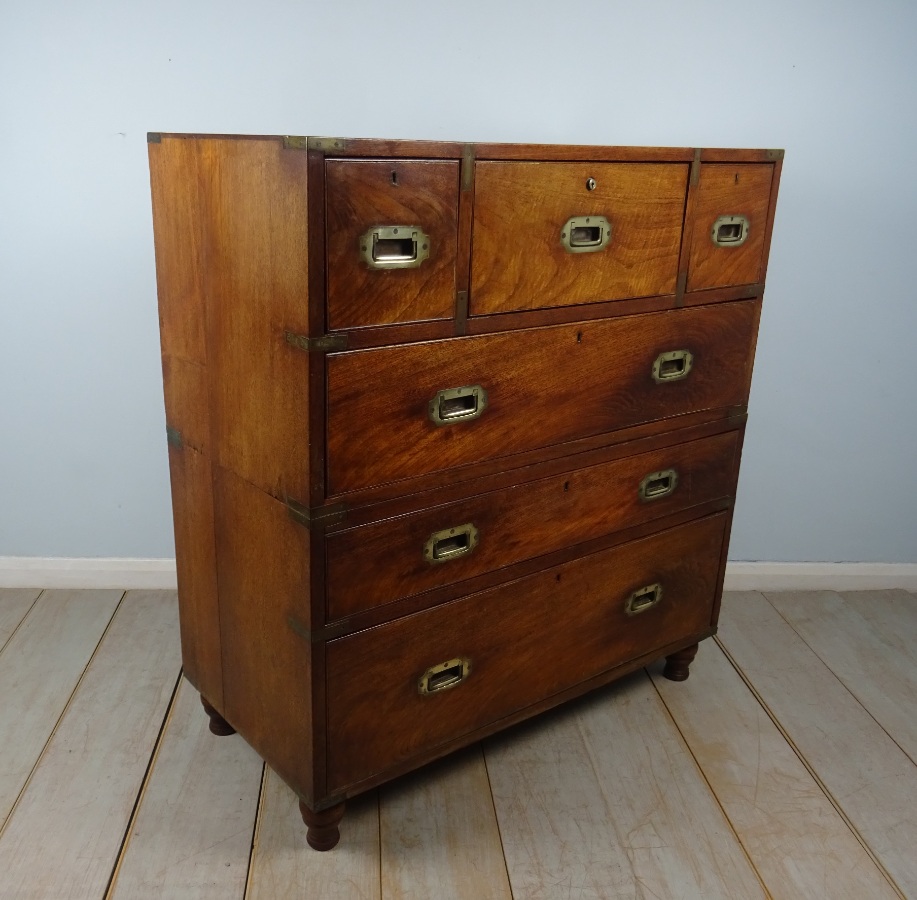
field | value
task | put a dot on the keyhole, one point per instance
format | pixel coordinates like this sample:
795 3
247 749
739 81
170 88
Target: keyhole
737 178
579 337
395 177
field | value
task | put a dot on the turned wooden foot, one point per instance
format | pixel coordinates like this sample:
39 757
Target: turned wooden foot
676 665
323 831
218 725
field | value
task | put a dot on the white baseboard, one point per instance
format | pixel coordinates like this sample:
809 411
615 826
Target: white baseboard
61 572
820 576
152 574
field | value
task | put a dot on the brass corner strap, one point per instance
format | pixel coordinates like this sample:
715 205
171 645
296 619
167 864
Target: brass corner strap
298 142
173 436
325 343
775 154
318 516
153 137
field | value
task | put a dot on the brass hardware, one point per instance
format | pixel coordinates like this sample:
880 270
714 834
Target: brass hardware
468 167
657 485
153 137
394 246
450 543
173 436
585 234
672 366
294 142
326 143
319 516
775 154
695 168
590 184
457 405
730 231
325 343
444 676
643 598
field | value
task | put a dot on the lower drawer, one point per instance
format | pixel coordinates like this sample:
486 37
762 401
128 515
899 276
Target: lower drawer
390 696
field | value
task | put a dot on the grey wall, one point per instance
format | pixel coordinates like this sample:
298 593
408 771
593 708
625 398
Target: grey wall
828 471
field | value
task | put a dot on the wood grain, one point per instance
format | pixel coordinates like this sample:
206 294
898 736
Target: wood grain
39 668
192 833
283 867
15 604
439 834
378 425
794 836
878 668
525 640
362 194
729 190
377 564
864 772
520 209
63 837
601 800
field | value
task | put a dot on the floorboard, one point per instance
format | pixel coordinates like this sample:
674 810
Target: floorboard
63 837
39 669
869 778
796 839
601 800
192 833
14 604
284 867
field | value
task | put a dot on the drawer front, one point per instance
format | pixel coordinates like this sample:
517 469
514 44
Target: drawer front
521 642
730 220
522 257
375 564
391 233
543 386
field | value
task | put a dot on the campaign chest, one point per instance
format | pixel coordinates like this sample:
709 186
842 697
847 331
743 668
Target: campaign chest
454 430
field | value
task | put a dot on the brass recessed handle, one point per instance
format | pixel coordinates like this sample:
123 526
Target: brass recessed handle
394 246
457 405
672 366
585 234
450 543
730 231
643 599
448 674
658 484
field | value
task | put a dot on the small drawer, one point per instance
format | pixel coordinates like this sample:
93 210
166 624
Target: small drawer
391 240
376 564
729 222
562 233
442 673
399 412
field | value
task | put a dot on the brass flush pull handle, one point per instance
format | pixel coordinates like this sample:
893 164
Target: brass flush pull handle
585 234
444 676
672 366
450 543
730 231
658 484
394 246
643 598
457 405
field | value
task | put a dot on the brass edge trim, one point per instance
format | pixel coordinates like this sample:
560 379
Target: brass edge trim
322 515
295 142
775 154
173 436
326 143
695 167
468 167
326 343
153 137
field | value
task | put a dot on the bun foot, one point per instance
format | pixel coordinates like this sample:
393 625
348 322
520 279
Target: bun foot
323 831
218 725
677 665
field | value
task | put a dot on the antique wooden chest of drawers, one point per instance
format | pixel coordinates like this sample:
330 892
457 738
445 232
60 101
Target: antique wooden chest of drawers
454 430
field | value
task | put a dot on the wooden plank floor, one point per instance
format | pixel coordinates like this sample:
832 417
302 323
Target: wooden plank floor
784 768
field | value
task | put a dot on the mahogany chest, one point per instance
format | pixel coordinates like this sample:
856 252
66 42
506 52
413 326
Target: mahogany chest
454 430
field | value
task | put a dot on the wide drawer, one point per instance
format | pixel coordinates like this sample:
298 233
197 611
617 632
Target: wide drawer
533 388
560 233
372 565
508 648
